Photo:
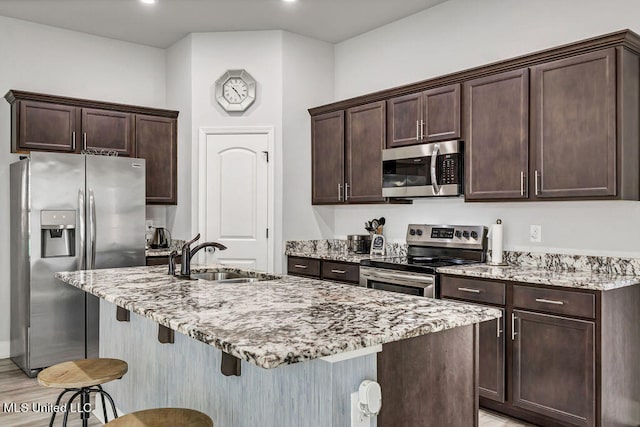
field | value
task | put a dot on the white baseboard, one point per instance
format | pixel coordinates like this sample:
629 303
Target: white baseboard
4 350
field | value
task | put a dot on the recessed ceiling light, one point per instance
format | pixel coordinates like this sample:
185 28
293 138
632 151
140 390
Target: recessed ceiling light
149 1
288 1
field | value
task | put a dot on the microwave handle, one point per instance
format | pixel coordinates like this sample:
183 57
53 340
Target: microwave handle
434 163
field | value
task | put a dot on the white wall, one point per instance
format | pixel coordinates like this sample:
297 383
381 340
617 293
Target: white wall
44 59
460 34
180 97
307 74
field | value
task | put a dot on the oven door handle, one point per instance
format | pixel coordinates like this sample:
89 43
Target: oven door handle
434 165
414 281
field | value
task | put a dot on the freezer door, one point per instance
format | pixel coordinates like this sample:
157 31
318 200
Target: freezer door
115 223
57 310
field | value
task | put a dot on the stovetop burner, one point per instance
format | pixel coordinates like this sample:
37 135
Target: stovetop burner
416 264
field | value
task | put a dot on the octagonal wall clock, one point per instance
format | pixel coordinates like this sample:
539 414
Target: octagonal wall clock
235 90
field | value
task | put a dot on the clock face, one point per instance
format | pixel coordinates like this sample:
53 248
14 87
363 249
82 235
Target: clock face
235 90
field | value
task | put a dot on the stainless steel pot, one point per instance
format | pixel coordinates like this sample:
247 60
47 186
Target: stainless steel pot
359 243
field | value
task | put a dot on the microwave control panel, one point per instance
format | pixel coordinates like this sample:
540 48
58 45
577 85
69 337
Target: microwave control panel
449 172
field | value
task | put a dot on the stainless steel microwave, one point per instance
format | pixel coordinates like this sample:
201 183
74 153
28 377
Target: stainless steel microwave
425 170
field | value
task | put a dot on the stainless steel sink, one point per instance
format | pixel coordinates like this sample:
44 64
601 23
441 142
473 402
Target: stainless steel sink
228 276
217 275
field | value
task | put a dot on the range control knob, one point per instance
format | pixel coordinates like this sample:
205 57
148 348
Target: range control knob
412 232
474 235
419 232
458 234
466 234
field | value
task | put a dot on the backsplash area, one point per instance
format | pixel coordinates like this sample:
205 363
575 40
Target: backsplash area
336 245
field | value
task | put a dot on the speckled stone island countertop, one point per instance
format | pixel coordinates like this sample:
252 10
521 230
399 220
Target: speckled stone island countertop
275 322
600 273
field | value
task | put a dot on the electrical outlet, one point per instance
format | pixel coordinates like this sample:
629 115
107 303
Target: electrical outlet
148 224
535 233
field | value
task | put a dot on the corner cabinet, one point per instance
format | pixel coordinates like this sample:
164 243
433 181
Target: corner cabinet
347 155
429 116
41 122
570 132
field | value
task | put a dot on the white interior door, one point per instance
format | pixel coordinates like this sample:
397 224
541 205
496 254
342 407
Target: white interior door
237 198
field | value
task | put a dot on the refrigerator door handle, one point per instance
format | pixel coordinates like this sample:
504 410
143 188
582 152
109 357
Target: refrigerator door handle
82 265
92 227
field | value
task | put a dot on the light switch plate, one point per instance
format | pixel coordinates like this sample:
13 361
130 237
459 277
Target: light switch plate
535 233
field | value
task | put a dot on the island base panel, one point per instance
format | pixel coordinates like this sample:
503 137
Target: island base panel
187 374
430 380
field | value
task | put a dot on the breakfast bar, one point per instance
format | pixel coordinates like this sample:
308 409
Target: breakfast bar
302 347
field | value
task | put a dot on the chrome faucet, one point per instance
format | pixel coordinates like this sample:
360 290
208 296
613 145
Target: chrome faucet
188 253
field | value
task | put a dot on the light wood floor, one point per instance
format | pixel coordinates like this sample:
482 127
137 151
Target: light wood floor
15 386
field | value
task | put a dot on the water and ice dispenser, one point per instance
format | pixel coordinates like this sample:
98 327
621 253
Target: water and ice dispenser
58 231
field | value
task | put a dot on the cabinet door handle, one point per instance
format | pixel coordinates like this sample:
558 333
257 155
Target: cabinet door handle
84 141
304 267
536 179
338 271
421 129
549 301
522 183
73 140
498 330
339 192
475 291
513 327
417 130
346 191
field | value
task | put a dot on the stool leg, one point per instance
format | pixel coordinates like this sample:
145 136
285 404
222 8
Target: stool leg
53 414
113 405
104 405
84 398
66 413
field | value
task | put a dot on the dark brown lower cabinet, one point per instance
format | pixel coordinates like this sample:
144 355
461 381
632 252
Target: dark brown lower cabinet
491 359
336 271
554 367
560 356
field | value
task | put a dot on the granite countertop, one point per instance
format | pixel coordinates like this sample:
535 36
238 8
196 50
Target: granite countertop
158 252
275 322
530 274
337 255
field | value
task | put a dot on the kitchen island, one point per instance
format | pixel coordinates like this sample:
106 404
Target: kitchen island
302 347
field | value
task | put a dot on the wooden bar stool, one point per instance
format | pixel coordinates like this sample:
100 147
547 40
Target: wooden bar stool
83 377
163 417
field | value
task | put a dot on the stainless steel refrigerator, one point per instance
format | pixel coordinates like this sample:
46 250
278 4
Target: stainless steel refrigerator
68 212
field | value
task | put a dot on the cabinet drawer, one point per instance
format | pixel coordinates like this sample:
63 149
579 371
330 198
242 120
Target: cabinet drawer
555 301
303 266
341 271
472 290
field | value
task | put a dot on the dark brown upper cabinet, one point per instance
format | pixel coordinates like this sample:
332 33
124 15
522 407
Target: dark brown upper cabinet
156 143
43 126
568 133
41 122
428 116
365 139
573 120
496 111
327 157
108 130
347 155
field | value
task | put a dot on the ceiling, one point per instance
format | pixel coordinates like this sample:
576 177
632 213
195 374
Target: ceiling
168 21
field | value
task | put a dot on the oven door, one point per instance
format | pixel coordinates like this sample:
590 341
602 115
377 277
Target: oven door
422 170
404 282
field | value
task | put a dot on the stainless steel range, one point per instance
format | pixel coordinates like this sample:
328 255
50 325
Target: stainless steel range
429 247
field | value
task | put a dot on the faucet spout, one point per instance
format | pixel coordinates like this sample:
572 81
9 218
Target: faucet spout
188 253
